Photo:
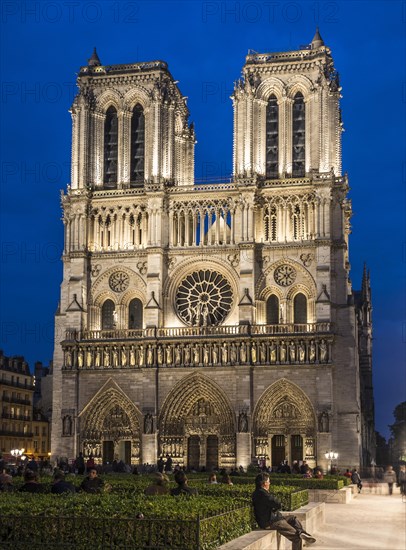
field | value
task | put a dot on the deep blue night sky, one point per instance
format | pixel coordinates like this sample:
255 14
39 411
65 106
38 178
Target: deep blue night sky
43 44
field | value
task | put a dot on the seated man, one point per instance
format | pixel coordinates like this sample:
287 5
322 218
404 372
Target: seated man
92 483
60 486
31 484
159 485
267 515
182 488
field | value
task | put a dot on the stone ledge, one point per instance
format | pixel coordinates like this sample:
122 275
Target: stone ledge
336 496
311 516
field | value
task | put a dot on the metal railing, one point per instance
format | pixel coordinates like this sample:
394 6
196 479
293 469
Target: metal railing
81 533
184 332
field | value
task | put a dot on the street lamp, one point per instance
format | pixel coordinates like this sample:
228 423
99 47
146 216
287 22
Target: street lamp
331 455
17 452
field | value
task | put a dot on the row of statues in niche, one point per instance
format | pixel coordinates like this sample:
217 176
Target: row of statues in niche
285 411
171 447
282 351
262 448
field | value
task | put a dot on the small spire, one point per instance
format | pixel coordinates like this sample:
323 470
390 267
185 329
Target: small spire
365 283
94 61
317 40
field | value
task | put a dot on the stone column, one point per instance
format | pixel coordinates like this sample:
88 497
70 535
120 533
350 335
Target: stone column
243 450
203 451
149 448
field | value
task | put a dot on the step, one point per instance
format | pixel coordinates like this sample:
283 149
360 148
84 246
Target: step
336 496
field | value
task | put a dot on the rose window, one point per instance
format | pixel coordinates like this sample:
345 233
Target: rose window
285 275
204 298
119 281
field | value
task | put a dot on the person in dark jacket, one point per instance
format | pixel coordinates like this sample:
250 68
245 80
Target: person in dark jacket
356 479
182 488
268 516
92 482
61 486
31 484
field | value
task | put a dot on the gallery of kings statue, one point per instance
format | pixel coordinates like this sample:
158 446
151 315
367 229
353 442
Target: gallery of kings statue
213 322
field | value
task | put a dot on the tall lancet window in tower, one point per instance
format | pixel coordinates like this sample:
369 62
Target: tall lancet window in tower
298 136
110 148
300 309
272 130
135 314
272 310
108 316
137 144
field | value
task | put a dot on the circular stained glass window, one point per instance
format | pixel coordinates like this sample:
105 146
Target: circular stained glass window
204 298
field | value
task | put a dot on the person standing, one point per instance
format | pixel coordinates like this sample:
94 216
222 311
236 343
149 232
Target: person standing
268 516
168 464
390 478
160 464
80 464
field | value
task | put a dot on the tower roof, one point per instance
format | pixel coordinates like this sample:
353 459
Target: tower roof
317 40
94 61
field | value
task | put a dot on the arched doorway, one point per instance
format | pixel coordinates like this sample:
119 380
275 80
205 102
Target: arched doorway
197 425
110 428
284 425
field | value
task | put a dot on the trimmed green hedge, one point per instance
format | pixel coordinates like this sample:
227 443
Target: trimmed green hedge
108 521
219 513
290 495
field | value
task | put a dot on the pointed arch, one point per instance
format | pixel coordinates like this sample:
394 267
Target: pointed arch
109 396
271 86
137 95
180 403
284 408
110 417
107 99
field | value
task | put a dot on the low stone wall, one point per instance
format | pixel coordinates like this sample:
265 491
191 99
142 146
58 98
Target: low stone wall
337 496
311 516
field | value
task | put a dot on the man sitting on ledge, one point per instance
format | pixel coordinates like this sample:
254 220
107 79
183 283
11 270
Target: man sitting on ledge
267 515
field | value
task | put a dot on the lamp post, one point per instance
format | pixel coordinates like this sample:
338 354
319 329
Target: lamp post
331 455
17 452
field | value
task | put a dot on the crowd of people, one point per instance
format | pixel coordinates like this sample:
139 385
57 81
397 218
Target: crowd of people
93 483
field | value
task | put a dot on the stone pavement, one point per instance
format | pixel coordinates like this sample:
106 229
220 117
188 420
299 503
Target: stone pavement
369 522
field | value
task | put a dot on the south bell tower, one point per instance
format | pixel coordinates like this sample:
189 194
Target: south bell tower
214 323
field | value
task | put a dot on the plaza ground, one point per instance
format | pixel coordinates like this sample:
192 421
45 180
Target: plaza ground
368 521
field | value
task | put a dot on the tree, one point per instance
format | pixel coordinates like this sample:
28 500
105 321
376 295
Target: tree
382 450
398 430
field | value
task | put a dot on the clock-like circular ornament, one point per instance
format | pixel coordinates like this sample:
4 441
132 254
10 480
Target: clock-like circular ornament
204 298
119 281
285 275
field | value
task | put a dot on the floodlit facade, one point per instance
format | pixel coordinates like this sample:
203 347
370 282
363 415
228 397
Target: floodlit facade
215 322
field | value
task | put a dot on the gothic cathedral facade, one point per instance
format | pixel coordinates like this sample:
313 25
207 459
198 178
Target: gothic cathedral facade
211 322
